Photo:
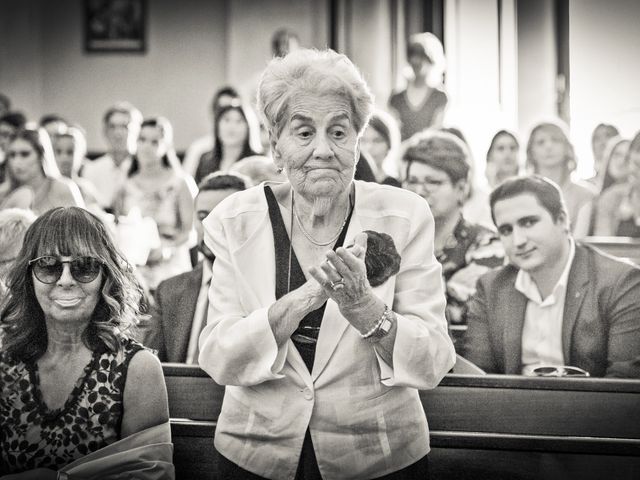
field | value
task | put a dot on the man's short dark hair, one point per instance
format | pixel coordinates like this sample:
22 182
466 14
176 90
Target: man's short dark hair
222 181
123 107
16 119
547 193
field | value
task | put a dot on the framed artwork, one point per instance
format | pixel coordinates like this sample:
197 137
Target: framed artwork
115 25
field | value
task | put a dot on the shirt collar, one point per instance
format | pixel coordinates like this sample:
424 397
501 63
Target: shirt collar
525 284
206 271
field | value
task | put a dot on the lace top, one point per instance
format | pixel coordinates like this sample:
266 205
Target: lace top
33 436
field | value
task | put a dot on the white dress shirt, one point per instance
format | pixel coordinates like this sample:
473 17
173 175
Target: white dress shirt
107 177
542 329
200 313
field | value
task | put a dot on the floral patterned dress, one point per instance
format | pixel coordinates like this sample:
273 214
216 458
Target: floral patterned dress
470 251
34 436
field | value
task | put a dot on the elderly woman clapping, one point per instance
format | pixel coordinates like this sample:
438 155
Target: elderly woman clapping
322 368
74 383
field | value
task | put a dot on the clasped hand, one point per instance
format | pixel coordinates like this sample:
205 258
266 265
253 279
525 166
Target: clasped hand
343 278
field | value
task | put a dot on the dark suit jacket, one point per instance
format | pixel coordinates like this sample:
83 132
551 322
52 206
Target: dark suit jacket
169 328
600 328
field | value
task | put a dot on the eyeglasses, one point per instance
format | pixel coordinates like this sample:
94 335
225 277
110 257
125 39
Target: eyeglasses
561 371
48 269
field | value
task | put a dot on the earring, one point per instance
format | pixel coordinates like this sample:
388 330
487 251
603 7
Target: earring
279 170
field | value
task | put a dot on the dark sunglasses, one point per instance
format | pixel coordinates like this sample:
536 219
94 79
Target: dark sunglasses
48 269
562 371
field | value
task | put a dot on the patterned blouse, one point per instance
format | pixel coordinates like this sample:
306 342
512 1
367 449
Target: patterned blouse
471 251
34 436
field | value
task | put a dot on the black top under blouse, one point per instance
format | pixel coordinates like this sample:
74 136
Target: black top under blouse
305 336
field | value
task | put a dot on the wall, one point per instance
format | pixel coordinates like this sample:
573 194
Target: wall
605 71
250 25
480 104
21 73
45 68
536 64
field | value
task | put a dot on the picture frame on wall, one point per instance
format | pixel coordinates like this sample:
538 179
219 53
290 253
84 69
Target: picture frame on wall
115 25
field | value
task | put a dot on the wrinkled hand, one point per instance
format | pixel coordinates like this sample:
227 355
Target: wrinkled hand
343 277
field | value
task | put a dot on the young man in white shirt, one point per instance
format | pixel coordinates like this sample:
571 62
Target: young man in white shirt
559 302
121 124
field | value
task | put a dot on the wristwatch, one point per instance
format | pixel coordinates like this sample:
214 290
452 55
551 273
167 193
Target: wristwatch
383 327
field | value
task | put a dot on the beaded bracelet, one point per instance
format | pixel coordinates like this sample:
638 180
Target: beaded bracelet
386 314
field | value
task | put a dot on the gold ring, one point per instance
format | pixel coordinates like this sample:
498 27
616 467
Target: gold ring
337 285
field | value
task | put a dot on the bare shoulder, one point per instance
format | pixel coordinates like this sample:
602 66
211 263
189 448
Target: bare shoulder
143 365
145 394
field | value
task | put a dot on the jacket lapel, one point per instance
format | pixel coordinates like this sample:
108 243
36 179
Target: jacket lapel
256 280
186 298
576 292
513 307
333 323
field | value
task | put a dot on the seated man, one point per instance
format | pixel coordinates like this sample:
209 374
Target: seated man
559 302
121 126
437 168
179 313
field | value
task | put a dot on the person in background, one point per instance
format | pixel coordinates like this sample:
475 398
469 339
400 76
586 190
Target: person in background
258 169
422 103
52 123
121 125
157 188
437 168
180 310
13 225
308 350
223 97
616 169
10 123
619 206
599 138
70 149
503 158
380 142
5 104
558 302
73 379
237 135
33 179
551 154
283 41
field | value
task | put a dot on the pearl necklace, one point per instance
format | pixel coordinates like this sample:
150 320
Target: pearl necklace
309 237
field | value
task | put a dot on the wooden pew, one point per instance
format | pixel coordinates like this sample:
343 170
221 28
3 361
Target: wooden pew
481 427
623 247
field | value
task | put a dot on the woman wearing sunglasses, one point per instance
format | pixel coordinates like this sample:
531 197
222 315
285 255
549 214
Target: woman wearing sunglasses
74 381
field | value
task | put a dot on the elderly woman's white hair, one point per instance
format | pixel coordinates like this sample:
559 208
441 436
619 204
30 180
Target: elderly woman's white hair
320 72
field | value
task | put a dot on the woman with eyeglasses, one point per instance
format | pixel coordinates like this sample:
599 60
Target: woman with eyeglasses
73 379
34 180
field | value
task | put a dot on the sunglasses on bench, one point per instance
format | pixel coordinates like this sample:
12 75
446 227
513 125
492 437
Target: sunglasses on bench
48 269
560 371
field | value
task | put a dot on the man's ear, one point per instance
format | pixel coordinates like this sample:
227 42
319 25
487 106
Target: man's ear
563 219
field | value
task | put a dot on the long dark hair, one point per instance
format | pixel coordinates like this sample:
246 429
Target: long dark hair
69 231
247 151
169 159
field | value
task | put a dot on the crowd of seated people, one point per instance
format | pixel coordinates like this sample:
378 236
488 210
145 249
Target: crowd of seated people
522 291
